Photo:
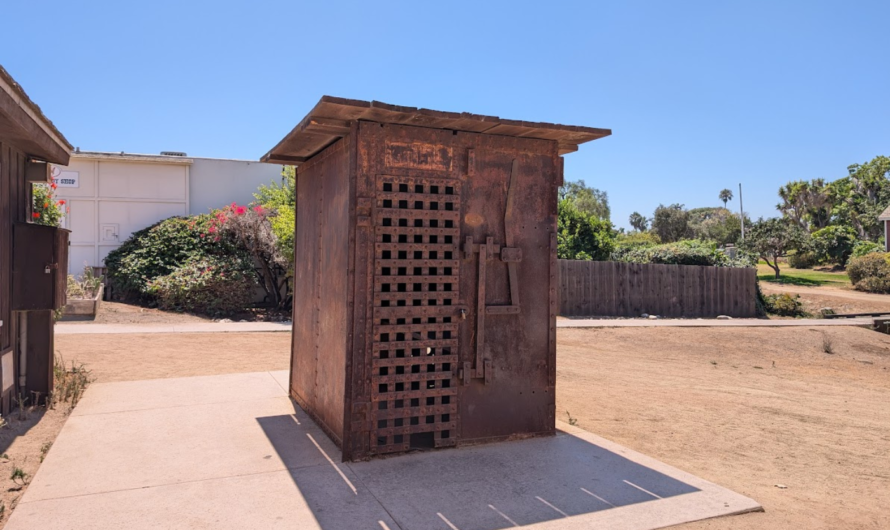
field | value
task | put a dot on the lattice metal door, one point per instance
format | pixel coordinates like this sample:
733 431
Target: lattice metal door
416 281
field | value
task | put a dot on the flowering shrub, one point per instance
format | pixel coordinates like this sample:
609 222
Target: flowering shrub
163 248
45 209
251 228
214 286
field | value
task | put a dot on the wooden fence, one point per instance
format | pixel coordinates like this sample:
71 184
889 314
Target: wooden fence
615 289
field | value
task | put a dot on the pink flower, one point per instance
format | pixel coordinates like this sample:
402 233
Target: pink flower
202 235
258 209
240 210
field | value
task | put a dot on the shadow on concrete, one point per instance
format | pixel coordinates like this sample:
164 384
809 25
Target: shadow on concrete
487 487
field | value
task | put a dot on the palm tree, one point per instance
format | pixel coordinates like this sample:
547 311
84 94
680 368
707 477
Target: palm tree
725 196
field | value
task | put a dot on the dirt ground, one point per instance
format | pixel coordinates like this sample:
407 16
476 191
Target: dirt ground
23 442
749 409
124 313
840 300
746 408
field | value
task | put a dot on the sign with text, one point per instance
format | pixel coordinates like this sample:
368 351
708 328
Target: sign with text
66 179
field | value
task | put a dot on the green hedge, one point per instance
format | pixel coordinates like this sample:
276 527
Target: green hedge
687 252
161 249
213 286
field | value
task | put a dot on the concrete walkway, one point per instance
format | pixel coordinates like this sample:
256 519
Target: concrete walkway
710 323
63 328
232 451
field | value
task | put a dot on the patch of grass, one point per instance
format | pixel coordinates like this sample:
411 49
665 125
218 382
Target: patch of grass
45 449
69 383
827 343
572 421
19 476
804 277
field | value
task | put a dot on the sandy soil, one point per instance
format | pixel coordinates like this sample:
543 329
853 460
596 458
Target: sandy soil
124 313
747 409
121 313
841 300
126 357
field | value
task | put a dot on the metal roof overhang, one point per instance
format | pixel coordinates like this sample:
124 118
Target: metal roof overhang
332 118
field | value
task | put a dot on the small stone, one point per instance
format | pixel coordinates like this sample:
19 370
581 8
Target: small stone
653 317
782 486
644 315
724 317
225 320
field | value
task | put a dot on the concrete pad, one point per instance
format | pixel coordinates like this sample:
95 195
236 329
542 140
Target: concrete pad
185 391
160 460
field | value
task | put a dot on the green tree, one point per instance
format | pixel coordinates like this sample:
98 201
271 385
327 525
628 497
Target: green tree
834 244
582 236
638 222
671 223
725 196
715 224
860 197
806 203
589 200
771 239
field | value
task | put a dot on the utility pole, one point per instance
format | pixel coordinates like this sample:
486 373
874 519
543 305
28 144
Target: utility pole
741 211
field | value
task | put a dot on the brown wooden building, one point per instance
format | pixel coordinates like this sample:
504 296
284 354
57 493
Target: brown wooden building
33 259
425 283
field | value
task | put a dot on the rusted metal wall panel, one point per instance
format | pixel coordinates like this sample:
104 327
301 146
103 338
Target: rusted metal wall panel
305 309
333 249
435 356
320 288
518 399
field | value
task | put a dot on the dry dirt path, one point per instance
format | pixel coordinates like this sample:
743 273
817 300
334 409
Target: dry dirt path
746 408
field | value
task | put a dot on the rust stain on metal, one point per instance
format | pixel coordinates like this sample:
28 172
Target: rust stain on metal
414 244
419 156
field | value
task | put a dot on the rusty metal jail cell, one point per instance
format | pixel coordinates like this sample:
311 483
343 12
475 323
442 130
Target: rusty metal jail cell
425 277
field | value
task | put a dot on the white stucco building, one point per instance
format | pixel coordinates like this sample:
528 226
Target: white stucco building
112 195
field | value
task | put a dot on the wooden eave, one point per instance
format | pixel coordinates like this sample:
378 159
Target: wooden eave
332 119
23 125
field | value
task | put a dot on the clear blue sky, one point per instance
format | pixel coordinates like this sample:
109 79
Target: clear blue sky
700 95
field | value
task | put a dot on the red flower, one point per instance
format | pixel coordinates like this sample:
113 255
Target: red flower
53 185
35 215
62 202
46 205
240 210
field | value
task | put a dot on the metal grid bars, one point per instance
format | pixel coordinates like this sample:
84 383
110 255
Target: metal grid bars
415 357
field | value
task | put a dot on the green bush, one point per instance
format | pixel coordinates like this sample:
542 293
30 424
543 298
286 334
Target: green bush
802 260
213 286
687 252
862 248
834 244
582 236
870 273
783 304
872 265
162 248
